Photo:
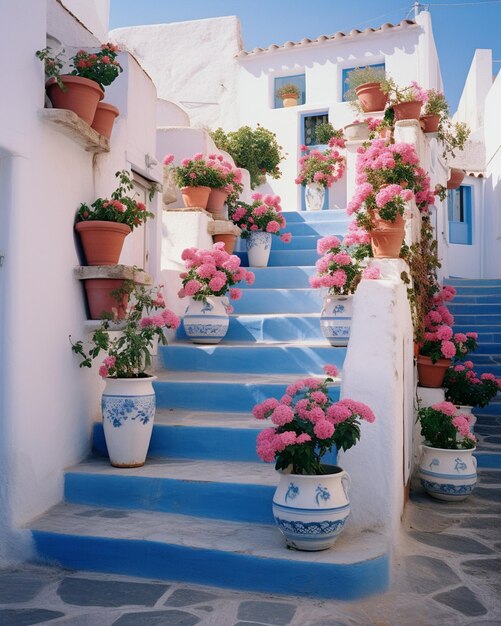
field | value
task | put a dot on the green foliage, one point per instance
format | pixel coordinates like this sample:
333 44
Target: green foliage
325 131
463 388
439 431
288 91
53 64
453 136
129 354
437 104
255 150
196 173
121 208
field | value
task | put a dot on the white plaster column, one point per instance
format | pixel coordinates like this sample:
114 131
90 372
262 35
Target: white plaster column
378 370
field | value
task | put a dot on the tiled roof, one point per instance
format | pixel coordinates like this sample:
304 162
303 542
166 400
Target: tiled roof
288 45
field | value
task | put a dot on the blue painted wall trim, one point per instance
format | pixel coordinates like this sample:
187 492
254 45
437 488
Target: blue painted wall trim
212 567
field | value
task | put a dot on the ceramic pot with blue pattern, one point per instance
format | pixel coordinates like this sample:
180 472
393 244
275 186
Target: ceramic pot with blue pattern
335 319
311 511
258 248
314 195
128 406
448 474
207 321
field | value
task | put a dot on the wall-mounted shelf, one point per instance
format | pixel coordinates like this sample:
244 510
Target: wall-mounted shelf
69 124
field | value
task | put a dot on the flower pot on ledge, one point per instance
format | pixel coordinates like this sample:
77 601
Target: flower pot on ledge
456 178
371 97
407 110
195 196
102 241
432 374
104 119
81 96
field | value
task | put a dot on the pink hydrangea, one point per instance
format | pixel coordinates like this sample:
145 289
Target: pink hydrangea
331 370
448 349
323 429
445 407
192 287
282 414
168 158
372 273
444 333
235 294
328 243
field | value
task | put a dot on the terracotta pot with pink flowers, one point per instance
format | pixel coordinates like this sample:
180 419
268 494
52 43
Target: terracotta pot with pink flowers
406 102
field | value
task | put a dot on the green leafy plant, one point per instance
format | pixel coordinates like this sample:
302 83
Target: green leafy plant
121 207
463 386
102 66
129 354
255 150
288 91
325 132
453 136
437 104
444 427
399 95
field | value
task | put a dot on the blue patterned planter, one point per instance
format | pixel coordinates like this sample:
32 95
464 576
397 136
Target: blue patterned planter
448 474
311 511
128 406
314 195
335 319
259 248
206 321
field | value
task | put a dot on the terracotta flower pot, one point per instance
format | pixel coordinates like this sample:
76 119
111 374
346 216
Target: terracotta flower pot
215 203
432 374
102 242
195 196
81 96
387 237
371 97
105 118
407 110
228 239
430 123
456 178
289 100
100 298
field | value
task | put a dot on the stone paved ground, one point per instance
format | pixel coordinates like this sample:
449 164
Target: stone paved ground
447 573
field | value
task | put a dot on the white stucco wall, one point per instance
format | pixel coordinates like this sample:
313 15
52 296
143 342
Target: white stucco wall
171 114
47 404
192 63
477 85
405 52
93 14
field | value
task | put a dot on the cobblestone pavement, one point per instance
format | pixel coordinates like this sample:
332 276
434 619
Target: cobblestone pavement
447 573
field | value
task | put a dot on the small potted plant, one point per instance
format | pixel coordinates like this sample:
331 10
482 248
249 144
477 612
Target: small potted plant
82 89
289 94
128 401
364 88
339 273
453 137
104 224
448 470
406 102
436 110
253 149
308 424
210 275
464 388
326 134
258 222
319 170
196 178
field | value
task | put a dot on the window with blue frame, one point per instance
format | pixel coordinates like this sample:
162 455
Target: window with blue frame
346 73
299 80
310 123
460 215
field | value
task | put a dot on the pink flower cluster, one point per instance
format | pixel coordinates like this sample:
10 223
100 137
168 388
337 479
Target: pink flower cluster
212 273
306 415
337 271
264 214
461 422
324 168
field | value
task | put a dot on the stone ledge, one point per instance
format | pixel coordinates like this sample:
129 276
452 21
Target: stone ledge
187 209
223 227
69 124
124 272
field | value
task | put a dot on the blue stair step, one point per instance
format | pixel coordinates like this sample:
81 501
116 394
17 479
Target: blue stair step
475 309
478 320
328 215
245 358
234 491
280 278
272 328
198 435
488 348
486 334
317 228
289 257
218 552
220 391
298 242
276 301
478 299
473 282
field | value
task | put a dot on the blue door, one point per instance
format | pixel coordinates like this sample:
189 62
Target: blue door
460 215
309 121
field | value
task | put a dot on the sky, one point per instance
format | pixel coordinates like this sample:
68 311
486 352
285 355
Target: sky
459 26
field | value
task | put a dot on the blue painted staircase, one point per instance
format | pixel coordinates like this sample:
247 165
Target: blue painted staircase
477 307
200 509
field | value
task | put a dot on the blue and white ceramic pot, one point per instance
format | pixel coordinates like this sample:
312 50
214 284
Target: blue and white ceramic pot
258 248
335 319
207 321
311 511
128 406
314 195
448 474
